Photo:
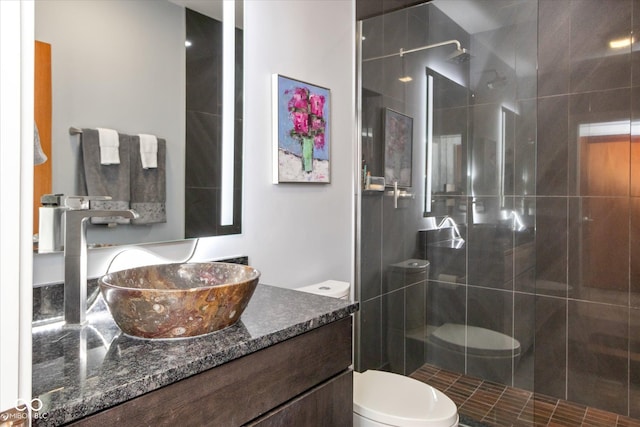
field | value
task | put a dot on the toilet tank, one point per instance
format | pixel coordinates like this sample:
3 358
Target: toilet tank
407 272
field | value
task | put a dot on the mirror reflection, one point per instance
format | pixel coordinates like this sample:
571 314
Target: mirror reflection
449 116
123 65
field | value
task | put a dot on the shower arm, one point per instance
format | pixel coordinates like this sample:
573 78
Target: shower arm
403 52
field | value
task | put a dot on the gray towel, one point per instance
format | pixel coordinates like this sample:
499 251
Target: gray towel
148 186
106 180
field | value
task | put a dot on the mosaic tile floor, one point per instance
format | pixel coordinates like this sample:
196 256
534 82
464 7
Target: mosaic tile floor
497 405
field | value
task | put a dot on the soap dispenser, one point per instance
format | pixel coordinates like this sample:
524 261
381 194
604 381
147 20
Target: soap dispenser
51 225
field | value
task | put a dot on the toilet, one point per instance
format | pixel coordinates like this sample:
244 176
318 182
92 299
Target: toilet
489 354
385 399
388 399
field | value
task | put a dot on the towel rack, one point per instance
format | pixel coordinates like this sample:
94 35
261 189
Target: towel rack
75 131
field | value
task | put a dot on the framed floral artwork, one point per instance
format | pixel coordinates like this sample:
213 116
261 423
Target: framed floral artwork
301 137
398 148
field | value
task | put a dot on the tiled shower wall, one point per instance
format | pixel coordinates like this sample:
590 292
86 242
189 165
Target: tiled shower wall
575 305
475 284
588 205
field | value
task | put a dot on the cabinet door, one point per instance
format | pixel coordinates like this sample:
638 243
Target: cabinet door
330 404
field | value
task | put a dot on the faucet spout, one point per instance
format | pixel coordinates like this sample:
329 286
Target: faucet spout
75 259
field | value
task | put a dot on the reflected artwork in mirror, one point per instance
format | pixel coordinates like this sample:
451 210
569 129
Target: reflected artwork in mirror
124 65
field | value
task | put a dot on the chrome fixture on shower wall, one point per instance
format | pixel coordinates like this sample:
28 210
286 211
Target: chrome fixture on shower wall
458 56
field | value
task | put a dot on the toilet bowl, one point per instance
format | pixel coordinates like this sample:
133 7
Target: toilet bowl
387 399
489 354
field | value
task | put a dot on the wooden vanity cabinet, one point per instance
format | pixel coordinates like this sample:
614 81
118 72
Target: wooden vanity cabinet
305 380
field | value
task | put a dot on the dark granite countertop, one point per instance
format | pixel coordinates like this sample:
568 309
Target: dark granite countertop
80 372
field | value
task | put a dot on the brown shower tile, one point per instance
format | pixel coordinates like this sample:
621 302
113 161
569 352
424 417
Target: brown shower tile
488 393
510 407
421 375
471 382
525 420
458 398
597 417
503 414
541 398
568 414
541 409
497 405
462 387
514 400
459 392
628 422
475 410
440 383
517 394
447 376
429 370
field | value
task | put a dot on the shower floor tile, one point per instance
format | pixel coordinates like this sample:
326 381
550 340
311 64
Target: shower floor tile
497 405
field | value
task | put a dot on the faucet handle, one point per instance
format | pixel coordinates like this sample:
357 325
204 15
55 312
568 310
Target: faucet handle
82 202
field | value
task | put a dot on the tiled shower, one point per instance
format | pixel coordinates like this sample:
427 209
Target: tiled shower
533 155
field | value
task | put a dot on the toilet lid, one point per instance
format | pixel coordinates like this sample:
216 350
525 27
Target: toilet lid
329 288
401 401
475 340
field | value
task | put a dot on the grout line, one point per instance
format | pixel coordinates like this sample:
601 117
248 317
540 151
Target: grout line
494 403
525 405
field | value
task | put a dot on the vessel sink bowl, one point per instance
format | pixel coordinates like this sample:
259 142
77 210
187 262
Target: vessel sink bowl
178 300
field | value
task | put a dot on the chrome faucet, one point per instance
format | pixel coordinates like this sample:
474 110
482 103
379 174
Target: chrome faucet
75 253
447 220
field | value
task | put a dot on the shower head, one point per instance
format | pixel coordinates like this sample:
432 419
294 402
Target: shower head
459 56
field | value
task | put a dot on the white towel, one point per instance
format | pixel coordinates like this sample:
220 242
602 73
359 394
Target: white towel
109 143
148 151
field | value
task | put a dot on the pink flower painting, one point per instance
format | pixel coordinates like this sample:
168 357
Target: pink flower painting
306 112
302 123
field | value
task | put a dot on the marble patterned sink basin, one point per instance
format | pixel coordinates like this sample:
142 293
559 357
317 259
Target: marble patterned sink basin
178 300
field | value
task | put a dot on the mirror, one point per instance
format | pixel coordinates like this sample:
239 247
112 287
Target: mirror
447 134
123 65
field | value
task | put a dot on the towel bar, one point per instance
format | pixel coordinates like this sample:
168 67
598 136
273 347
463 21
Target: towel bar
75 131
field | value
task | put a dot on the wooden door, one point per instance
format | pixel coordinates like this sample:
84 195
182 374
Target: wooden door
604 171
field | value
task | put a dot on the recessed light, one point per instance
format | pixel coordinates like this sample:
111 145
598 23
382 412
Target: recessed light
187 43
405 79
